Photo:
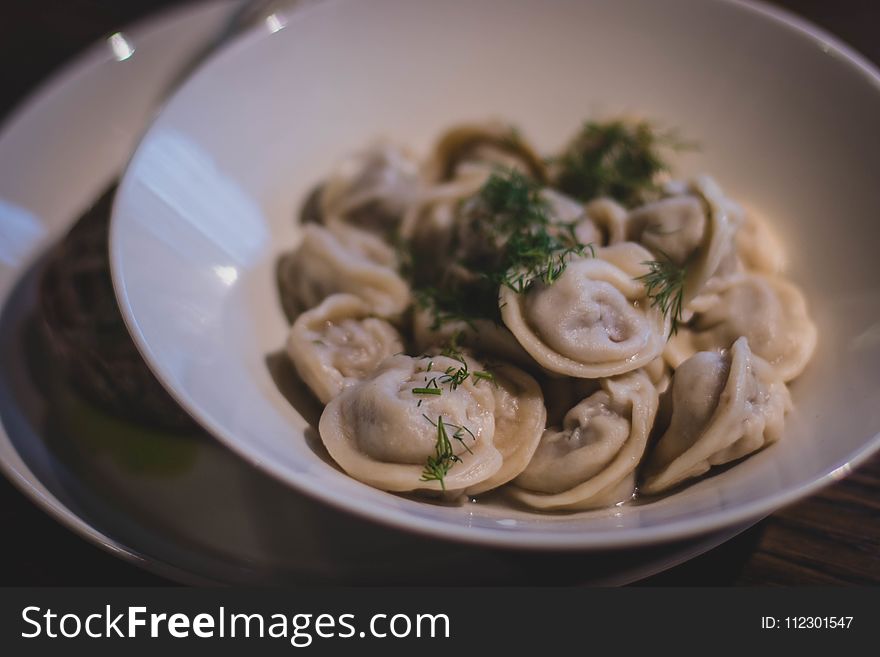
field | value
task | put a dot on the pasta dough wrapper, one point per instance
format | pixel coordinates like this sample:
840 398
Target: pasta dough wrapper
724 406
339 343
371 189
340 258
380 434
771 312
520 417
594 320
590 461
482 147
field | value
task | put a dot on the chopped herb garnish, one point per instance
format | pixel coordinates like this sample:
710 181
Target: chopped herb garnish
451 376
617 158
509 237
455 376
485 376
511 241
533 248
427 391
441 461
664 285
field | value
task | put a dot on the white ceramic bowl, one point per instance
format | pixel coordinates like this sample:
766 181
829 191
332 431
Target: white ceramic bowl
787 120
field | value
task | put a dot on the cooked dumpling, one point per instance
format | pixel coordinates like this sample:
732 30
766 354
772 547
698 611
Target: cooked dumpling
371 189
758 247
482 147
570 213
572 269
769 311
679 347
660 373
384 434
594 320
590 460
341 258
484 337
562 392
600 222
609 218
560 207
388 433
339 343
724 406
672 227
693 229
430 225
520 417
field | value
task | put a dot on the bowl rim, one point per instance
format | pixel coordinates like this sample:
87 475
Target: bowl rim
629 537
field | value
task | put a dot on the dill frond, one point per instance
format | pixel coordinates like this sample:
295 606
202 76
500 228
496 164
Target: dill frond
616 158
533 248
441 461
664 285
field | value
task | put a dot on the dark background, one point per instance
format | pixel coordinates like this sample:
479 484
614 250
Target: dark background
831 538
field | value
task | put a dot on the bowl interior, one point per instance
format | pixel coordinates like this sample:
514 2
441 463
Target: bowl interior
785 119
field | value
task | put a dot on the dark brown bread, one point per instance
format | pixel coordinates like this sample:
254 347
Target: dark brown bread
87 333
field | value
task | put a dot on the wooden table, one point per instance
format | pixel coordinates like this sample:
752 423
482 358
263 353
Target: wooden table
831 538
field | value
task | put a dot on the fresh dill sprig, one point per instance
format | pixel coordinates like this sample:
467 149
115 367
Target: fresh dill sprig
537 256
455 376
616 158
533 248
441 461
513 200
452 376
664 285
457 433
518 244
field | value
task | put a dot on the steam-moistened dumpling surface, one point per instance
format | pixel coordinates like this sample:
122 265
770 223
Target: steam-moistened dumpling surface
715 242
594 321
371 189
384 434
769 311
660 373
520 417
341 259
339 343
724 406
478 432
590 461
671 227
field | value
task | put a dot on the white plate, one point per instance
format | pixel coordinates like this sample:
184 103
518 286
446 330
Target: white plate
193 512
786 117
